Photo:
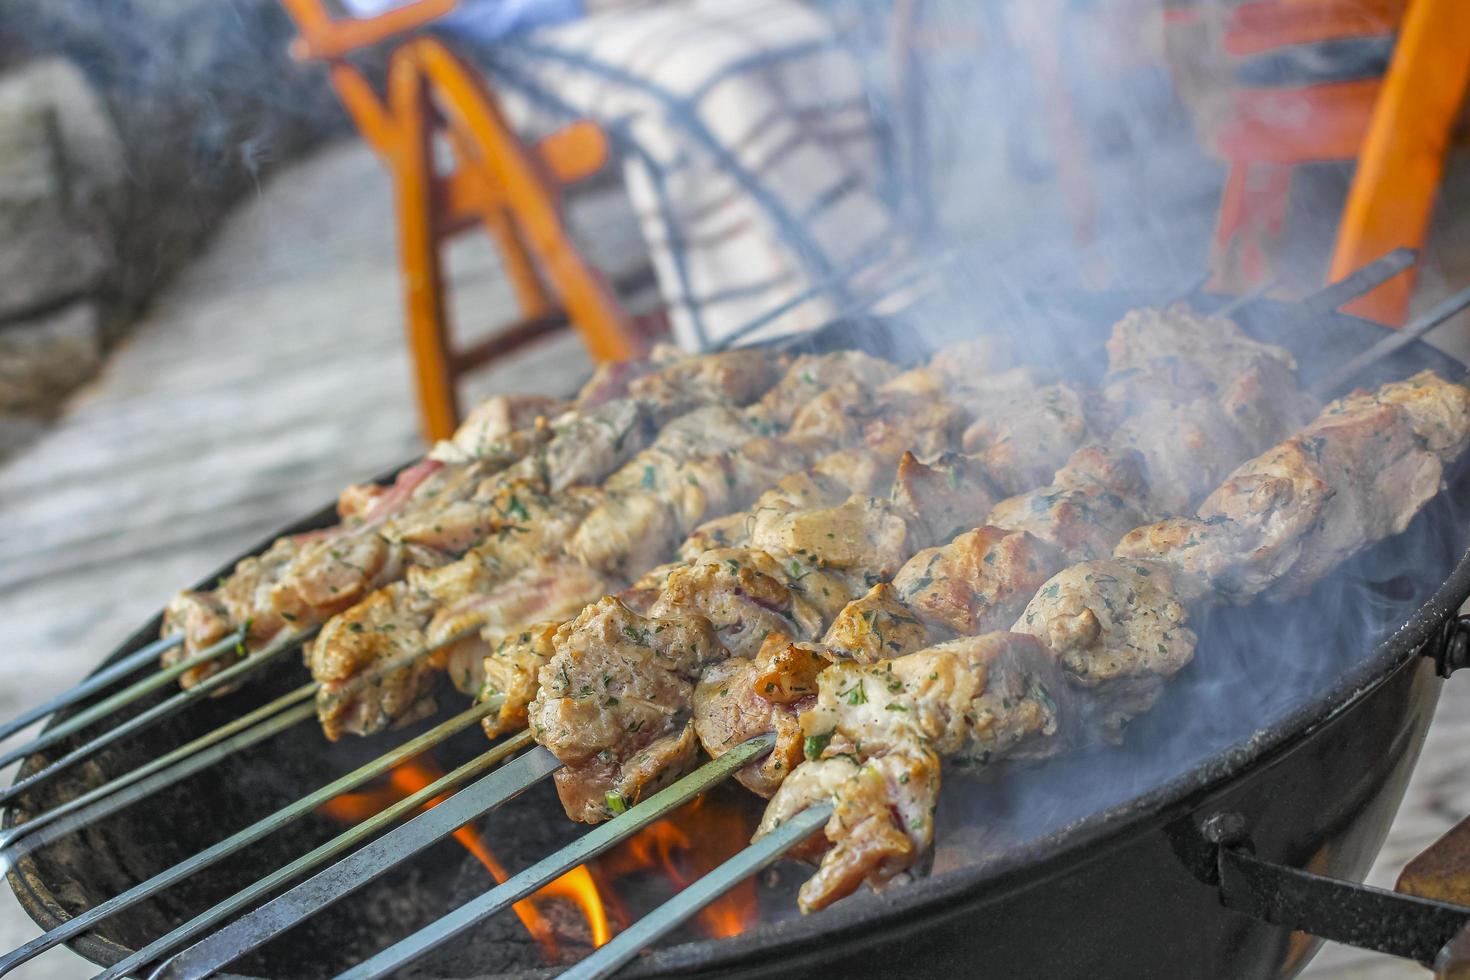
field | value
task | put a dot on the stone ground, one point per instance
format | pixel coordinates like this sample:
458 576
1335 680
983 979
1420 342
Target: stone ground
271 373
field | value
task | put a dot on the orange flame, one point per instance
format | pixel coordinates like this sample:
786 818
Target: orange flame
685 846
576 886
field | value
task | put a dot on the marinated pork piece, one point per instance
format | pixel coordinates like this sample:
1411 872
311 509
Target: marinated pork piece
740 698
613 705
341 650
938 499
401 514
874 627
794 492
811 374
511 673
359 668
1186 448
553 588
875 736
705 460
1027 440
1356 474
976 583
1092 501
495 422
718 469
1118 629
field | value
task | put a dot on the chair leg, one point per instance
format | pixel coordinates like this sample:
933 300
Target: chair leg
414 191
1252 210
533 205
525 281
1402 158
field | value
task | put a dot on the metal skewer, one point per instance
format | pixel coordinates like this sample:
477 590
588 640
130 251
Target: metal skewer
268 725
342 842
158 712
122 698
607 960
364 865
1393 342
55 824
548 869
133 661
1244 298
1355 284
243 838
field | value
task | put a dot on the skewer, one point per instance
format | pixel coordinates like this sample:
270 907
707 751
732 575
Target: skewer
364 865
252 664
1393 342
455 922
607 960
342 842
99 680
53 825
549 868
243 838
1244 298
124 697
268 726
158 712
1355 284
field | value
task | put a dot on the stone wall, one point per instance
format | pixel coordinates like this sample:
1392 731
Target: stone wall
127 128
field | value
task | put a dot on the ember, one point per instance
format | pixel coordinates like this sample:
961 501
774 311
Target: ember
681 849
576 886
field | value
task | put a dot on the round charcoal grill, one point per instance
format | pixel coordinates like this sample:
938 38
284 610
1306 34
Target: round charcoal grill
1287 744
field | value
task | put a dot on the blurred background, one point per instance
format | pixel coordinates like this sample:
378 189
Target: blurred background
230 283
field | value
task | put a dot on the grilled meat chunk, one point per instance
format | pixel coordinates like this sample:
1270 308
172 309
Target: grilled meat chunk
812 374
511 673
1281 521
613 704
941 497
875 626
976 583
1026 440
742 697
875 736
1091 502
494 425
1118 629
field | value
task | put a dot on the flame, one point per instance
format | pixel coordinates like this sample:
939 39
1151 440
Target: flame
683 847
576 886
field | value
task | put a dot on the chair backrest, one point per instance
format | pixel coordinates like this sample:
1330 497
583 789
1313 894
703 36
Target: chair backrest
330 31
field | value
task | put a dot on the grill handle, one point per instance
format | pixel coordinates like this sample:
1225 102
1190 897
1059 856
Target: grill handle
1425 918
1409 926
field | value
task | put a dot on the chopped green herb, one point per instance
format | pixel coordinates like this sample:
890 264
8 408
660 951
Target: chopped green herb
814 745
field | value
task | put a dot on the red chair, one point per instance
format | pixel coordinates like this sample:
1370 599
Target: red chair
1397 127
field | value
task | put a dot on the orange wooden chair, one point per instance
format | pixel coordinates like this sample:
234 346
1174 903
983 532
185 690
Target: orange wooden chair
497 183
1397 126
